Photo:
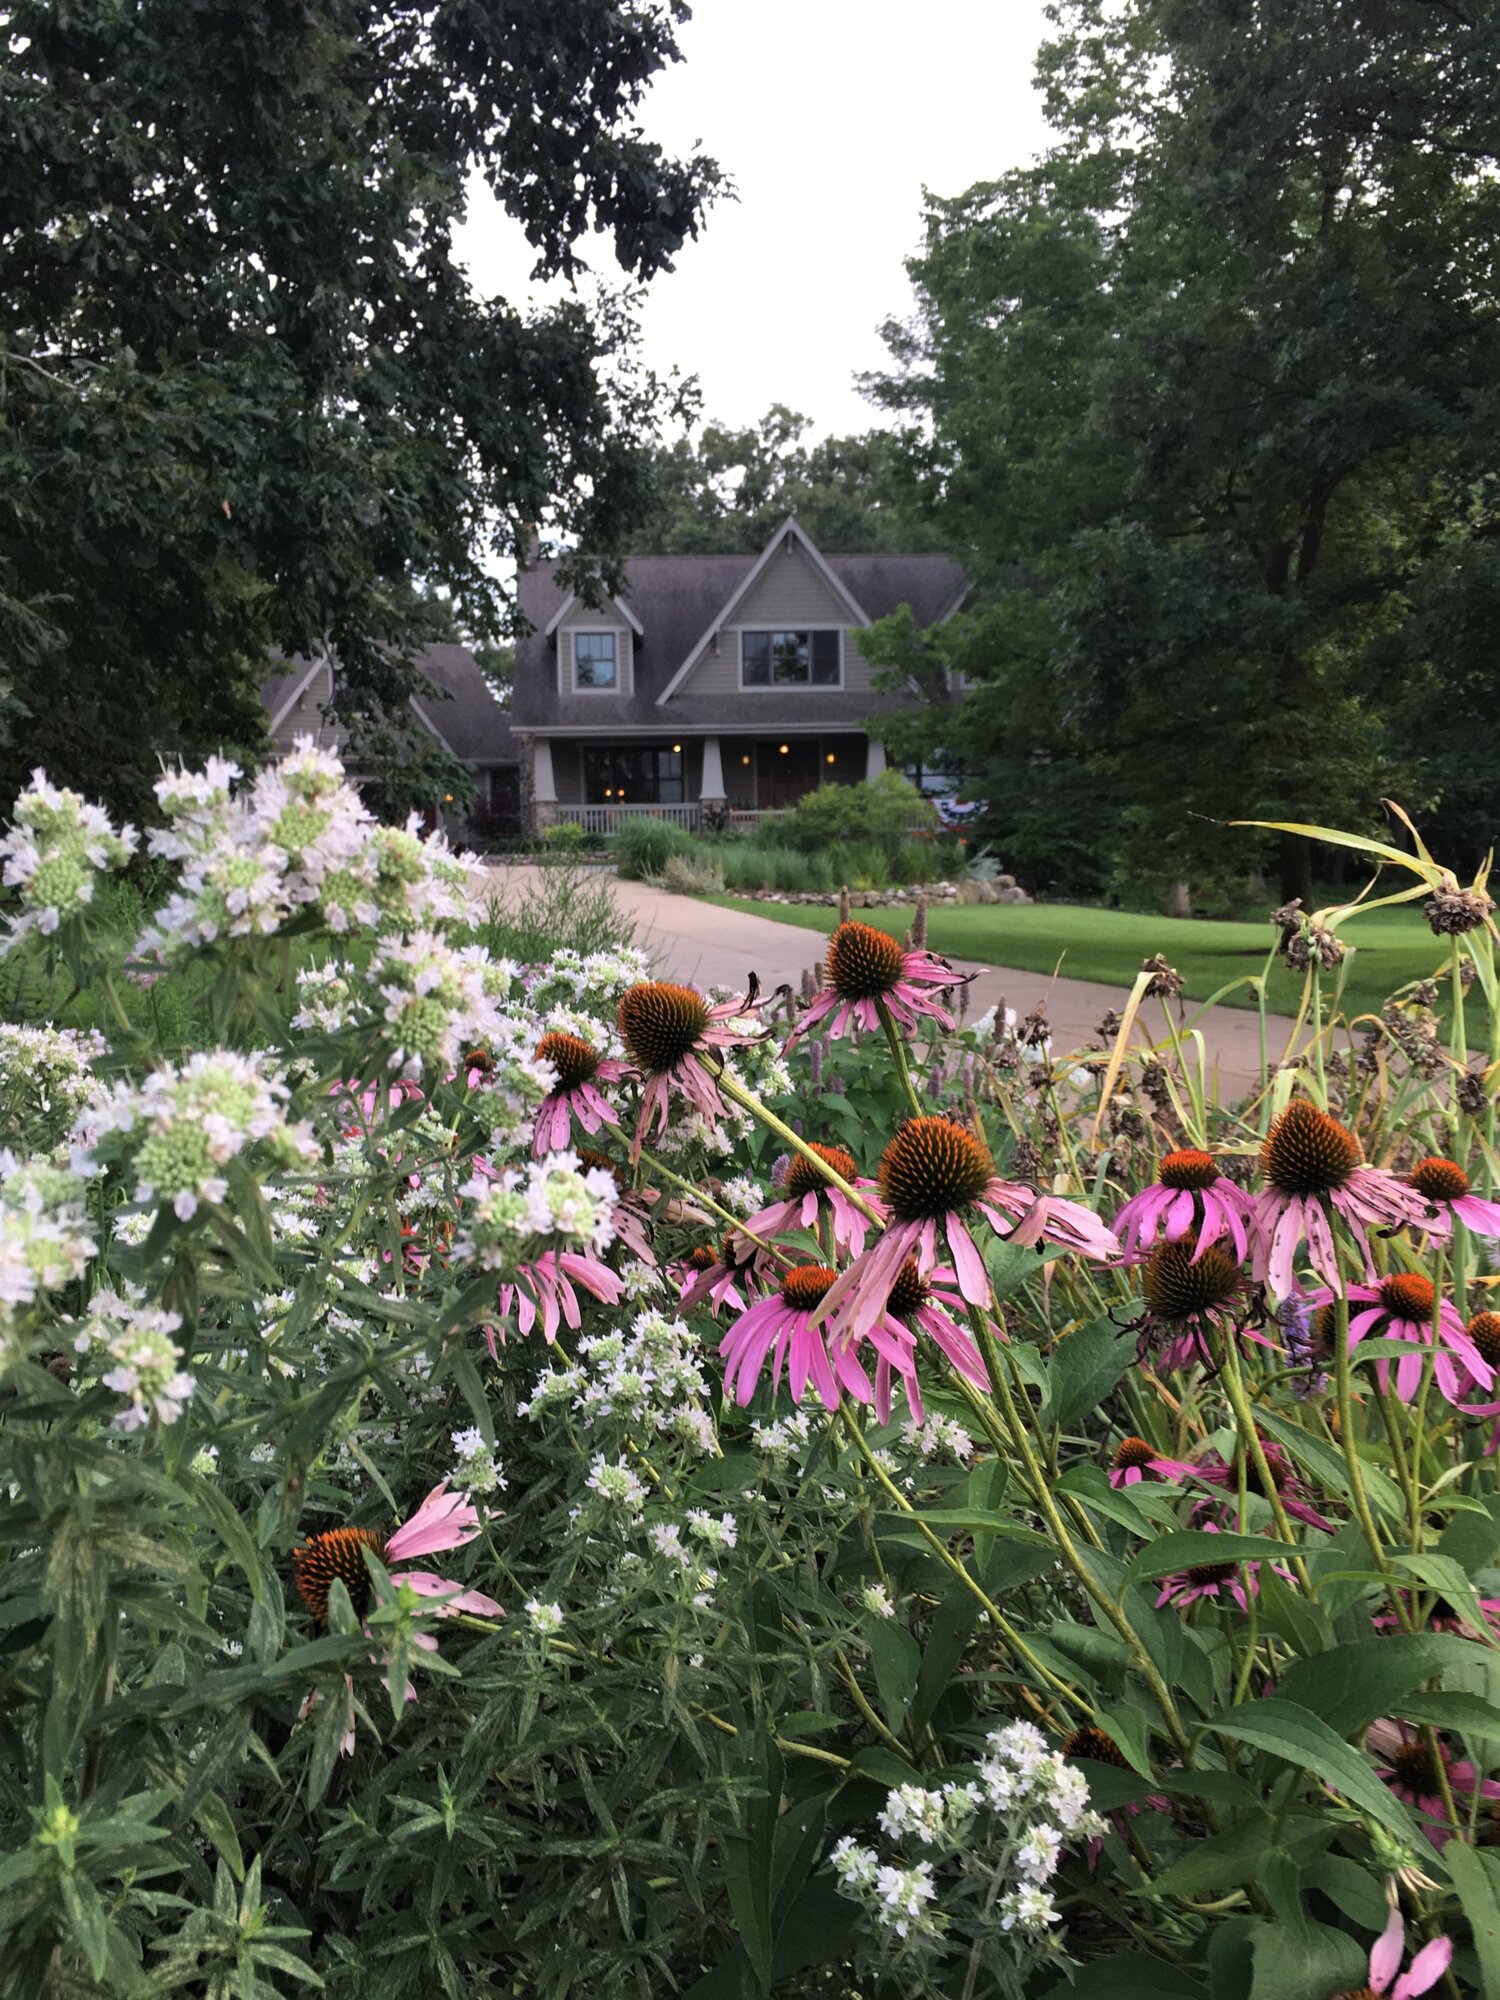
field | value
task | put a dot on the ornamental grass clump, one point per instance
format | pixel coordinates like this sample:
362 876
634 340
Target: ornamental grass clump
921 1510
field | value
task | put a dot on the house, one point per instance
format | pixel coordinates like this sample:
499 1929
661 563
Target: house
726 684
471 724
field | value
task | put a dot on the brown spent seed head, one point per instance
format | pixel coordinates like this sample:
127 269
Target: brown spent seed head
1308 1153
572 1058
1408 1295
340 1553
1187 1169
802 1177
1177 1288
1453 912
806 1285
863 962
1484 1331
1132 1451
931 1167
1096 1746
1439 1179
909 1293
659 1023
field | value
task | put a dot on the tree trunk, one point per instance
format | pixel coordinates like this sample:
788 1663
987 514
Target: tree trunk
1296 870
1179 900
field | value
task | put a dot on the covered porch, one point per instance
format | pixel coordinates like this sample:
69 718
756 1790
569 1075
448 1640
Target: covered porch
596 782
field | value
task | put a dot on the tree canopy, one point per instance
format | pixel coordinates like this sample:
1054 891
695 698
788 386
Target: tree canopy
726 491
249 399
1208 400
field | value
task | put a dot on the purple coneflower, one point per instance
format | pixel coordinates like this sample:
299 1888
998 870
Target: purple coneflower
781 1328
443 1521
933 1175
932 1305
867 968
544 1289
631 1214
1285 1479
1187 1296
1424 1972
1401 1307
1406 1762
667 1031
1220 1581
1445 1184
1313 1168
1190 1199
805 1193
580 1070
1134 1460
724 1275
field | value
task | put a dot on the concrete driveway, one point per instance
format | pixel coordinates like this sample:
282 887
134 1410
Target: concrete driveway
702 944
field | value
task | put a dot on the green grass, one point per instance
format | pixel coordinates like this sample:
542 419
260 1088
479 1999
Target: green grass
1394 946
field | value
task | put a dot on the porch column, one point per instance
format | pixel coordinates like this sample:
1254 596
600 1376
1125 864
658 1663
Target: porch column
711 785
874 757
543 784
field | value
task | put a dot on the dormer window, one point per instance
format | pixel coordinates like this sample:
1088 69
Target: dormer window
596 661
791 659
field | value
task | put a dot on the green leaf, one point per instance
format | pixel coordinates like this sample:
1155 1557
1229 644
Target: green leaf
1131 1731
1326 1463
1306 1963
1187 1548
897 1660
1476 1877
1298 1619
1443 1574
1351 1685
1083 1369
1303 1739
964 1521
1470 1714
1128 1975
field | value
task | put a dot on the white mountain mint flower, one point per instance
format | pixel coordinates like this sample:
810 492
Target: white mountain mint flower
303 806
617 1484
938 1437
855 1866
1027 1908
327 999
1037 1855
432 1002
719 1534
567 1199
137 1340
188 1121
230 890
47 1076
545 1618
935 1816
666 1539
902 1896
196 805
476 1470
876 1597
547 1199
55 850
742 1196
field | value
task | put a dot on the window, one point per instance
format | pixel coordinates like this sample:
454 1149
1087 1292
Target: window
790 659
633 777
594 664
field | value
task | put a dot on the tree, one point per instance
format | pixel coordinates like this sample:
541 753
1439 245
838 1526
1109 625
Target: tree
727 492
249 401
1209 400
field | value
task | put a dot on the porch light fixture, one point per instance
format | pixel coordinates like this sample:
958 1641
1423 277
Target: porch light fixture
785 749
830 758
676 747
744 760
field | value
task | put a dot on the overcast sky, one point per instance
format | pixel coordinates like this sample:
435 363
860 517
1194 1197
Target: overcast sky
829 116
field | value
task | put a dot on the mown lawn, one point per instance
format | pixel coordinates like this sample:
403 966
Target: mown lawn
1393 946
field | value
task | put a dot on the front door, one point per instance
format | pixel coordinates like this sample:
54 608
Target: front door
785 770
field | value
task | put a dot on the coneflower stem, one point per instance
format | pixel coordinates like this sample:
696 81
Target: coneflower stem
898 1057
753 1105
1359 1498
1252 1448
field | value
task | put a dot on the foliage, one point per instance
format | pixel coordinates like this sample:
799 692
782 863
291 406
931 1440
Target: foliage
1206 400
883 811
700 874
642 845
1125 1622
561 907
249 401
728 491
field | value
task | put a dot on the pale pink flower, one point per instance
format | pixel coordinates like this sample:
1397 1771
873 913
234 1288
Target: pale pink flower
1424 1972
807 1196
1445 1184
674 1039
1314 1171
1405 1760
1400 1307
867 969
580 1070
545 1289
1189 1199
781 1329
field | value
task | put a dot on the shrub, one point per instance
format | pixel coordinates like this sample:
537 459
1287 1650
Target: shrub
643 843
566 837
693 874
883 811
561 907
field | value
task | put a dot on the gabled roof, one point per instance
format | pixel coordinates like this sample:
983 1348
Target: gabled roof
788 533
572 598
680 601
471 724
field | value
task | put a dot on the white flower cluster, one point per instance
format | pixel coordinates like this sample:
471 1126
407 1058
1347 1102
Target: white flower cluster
476 1470
46 1238
57 847
298 837
742 1196
188 1121
435 1003
597 977
648 1374
1041 1803
145 1361
534 1206
327 999
47 1077
938 1437
546 1619
616 1484
897 1897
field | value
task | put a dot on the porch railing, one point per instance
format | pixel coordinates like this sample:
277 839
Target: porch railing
604 819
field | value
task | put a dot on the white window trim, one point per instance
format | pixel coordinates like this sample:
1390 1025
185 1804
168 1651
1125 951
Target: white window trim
790 687
615 632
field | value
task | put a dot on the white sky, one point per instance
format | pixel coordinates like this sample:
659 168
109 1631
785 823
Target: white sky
829 116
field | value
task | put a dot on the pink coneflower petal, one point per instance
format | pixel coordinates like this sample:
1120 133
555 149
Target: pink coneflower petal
443 1521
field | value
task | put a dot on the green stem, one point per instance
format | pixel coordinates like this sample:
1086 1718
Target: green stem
1252 1446
753 1105
1344 1401
898 1056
